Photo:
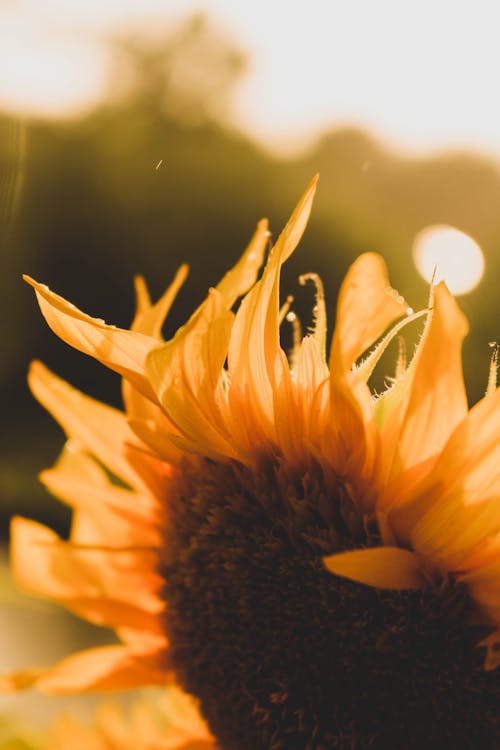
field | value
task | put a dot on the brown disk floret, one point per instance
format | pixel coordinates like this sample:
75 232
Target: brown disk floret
285 656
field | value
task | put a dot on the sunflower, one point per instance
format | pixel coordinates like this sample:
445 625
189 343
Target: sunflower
168 721
318 565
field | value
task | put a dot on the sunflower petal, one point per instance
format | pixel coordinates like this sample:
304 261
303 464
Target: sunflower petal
85 579
186 372
79 481
436 400
149 318
96 427
121 350
256 363
456 506
97 669
242 276
484 587
367 305
380 567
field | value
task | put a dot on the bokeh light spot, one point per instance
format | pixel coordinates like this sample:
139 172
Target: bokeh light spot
50 74
449 255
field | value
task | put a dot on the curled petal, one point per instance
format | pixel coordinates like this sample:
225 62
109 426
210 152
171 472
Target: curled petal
122 351
367 305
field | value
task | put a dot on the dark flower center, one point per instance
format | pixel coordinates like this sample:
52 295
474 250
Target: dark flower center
283 655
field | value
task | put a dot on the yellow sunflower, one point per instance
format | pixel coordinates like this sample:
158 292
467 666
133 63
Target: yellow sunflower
319 566
169 721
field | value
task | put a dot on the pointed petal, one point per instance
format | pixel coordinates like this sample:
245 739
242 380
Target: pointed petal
242 277
380 567
255 359
366 306
120 350
186 373
149 318
436 400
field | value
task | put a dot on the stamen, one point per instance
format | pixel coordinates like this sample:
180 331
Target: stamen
293 354
401 364
318 328
285 308
493 373
401 361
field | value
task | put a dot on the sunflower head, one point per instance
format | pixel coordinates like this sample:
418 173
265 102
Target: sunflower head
318 565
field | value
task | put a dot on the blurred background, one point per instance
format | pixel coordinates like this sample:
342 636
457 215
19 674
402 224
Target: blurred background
135 136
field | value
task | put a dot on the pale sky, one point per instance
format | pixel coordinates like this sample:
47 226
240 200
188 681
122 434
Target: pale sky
421 76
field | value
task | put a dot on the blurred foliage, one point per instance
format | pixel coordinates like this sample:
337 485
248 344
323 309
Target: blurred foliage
157 178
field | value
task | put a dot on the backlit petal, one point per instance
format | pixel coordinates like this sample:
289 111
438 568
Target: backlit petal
121 350
243 275
436 400
149 318
85 579
96 427
367 305
185 373
457 506
256 364
79 481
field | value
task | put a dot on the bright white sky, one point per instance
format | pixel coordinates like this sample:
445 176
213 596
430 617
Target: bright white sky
422 76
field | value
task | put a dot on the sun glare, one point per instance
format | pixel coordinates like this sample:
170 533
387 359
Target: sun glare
345 74
449 255
49 74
